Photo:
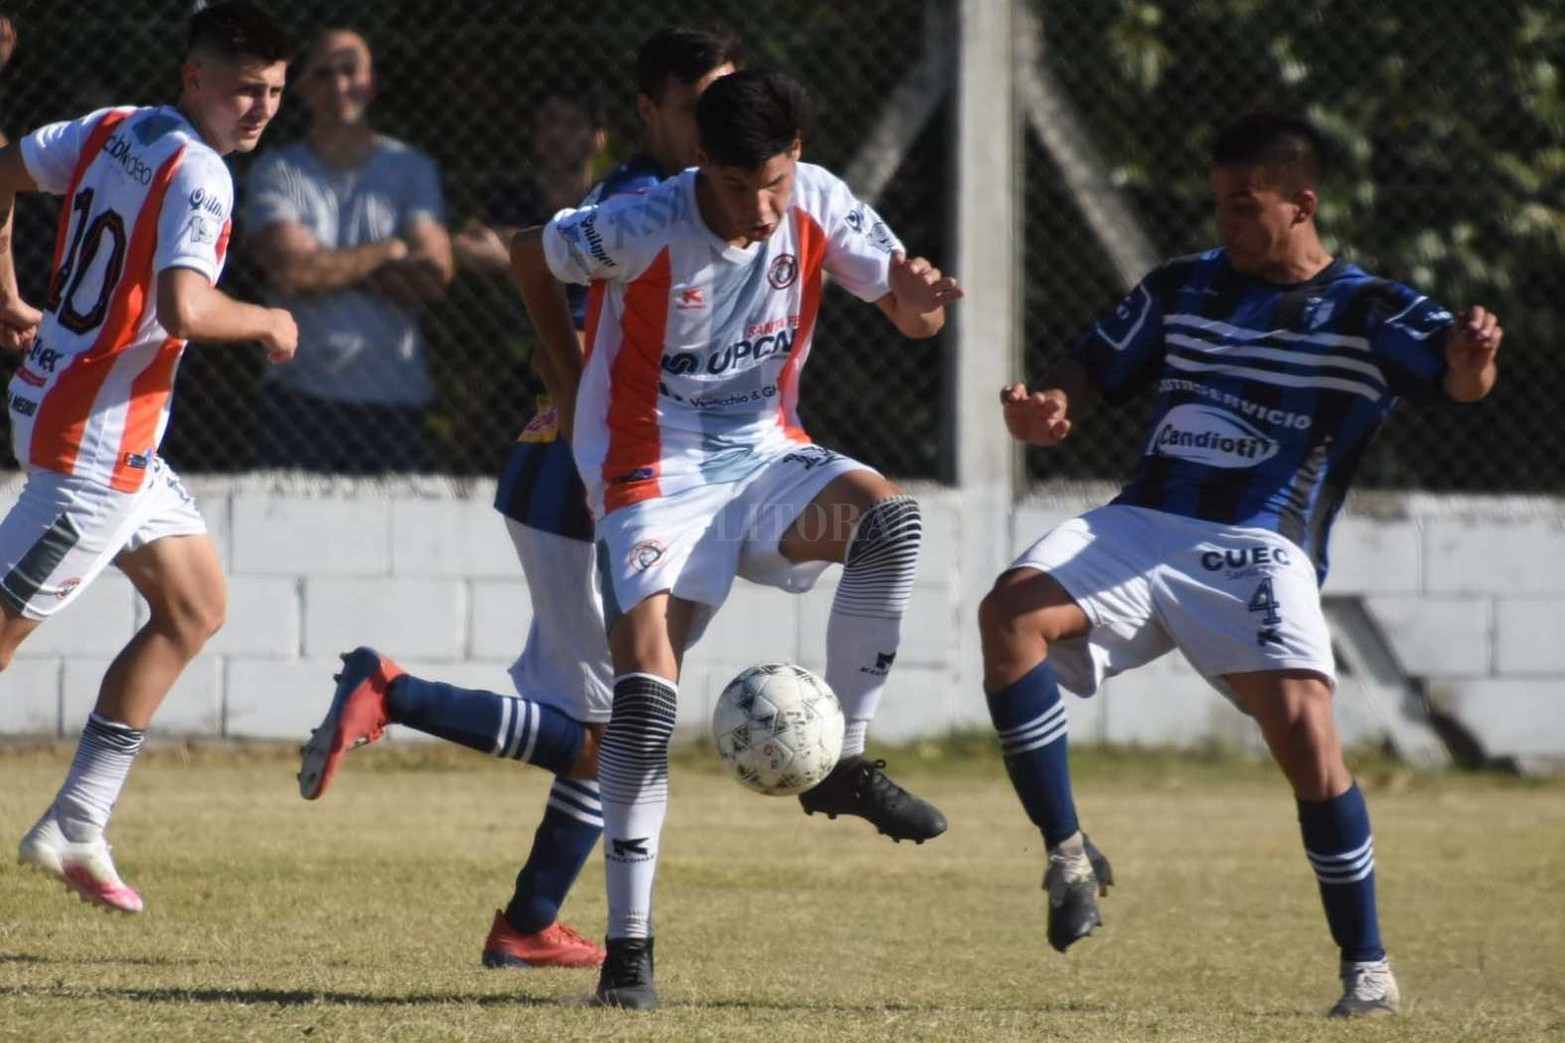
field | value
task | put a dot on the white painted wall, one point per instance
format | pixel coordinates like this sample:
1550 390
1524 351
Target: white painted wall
1470 592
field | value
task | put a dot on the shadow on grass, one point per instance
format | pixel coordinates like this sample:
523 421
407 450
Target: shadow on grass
288 997
310 998
132 961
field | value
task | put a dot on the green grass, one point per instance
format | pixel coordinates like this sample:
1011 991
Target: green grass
361 917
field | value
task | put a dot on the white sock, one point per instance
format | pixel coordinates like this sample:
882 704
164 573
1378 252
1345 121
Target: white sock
103 758
865 628
853 738
633 784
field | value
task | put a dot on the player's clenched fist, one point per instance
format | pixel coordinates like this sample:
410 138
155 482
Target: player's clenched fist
1038 417
1475 340
18 323
1470 349
282 339
919 284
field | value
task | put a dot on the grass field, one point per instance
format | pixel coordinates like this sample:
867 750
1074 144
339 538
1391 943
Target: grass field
361 917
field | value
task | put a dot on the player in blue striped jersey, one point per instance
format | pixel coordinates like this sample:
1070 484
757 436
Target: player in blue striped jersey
563 675
1273 364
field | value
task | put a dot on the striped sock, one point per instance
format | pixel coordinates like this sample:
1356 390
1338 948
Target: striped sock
1341 850
865 628
633 774
103 759
572 823
1033 726
499 725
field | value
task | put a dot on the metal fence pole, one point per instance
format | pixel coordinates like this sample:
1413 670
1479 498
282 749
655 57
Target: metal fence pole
986 354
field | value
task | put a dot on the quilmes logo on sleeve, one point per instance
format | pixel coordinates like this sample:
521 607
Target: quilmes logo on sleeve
1214 437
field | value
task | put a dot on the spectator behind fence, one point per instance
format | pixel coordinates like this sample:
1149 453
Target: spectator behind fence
568 134
349 228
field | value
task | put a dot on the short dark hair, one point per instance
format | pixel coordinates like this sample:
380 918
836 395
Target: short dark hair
749 117
237 31
681 53
1278 141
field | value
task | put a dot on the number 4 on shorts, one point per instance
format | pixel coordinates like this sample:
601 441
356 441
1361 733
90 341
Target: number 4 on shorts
1264 601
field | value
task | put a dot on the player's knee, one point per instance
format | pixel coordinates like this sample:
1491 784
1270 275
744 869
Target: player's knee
1003 617
13 630
205 619
586 763
889 534
191 623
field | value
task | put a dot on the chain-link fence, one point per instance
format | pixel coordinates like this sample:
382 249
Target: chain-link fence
1446 126
1446 123
464 83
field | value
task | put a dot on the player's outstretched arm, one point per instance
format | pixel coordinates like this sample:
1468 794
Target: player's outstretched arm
1471 347
191 308
550 312
919 294
18 319
1045 417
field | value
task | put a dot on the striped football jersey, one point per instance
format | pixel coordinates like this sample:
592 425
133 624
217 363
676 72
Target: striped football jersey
143 193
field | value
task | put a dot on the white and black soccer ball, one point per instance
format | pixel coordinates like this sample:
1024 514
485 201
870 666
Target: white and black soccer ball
778 728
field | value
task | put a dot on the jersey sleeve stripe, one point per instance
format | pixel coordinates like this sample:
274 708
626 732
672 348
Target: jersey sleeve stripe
65 414
632 463
812 262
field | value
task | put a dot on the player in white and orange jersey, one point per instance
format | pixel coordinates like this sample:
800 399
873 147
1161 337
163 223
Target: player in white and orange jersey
143 235
704 296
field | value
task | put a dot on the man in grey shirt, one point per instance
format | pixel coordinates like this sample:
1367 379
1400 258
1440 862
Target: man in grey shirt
349 228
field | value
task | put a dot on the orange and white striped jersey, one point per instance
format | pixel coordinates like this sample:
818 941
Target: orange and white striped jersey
143 193
693 345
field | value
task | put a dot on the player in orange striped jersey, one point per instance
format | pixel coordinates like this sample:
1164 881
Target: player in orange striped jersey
681 402
143 235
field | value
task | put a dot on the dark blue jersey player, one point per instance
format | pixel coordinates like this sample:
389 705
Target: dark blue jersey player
1272 365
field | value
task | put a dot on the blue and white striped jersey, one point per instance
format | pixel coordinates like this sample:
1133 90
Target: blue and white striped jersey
1267 395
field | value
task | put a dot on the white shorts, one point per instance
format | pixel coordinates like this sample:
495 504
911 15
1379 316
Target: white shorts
566 661
1233 600
63 530
693 543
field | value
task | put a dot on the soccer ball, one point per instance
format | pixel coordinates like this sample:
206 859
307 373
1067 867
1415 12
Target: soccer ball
778 728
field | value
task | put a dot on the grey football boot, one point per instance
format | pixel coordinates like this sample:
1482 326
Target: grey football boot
1075 881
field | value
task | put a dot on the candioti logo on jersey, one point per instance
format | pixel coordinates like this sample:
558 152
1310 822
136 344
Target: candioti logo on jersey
690 300
784 271
135 168
736 356
646 554
1204 435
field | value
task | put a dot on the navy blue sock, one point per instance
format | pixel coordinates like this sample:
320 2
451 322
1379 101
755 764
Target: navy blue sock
1031 722
1341 850
571 825
501 725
